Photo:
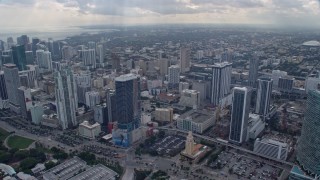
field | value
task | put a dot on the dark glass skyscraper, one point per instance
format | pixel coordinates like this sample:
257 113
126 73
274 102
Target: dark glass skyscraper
128 110
239 114
3 88
308 151
19 57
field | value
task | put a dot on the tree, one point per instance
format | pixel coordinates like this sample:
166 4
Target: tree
21 154
49 165
5 157
28 163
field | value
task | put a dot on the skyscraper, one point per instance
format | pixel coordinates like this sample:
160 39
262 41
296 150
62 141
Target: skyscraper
19 57
11 76
66 97
25 101
100 52
253 70
88 57
44 59
263 97
3 88
173 76
163 66
221 80
128 110
29 57
239 114
185 59
309 143
35 41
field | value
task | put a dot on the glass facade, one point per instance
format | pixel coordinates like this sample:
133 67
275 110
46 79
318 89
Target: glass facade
19 57
309 142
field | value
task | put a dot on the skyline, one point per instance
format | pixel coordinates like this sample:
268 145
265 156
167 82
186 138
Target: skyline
48 13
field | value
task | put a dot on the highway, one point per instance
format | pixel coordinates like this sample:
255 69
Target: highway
231 146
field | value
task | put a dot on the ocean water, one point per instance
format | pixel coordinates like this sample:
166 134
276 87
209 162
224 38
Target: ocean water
54 32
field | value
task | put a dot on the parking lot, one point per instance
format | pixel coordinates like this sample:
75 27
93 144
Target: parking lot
169 145
238 166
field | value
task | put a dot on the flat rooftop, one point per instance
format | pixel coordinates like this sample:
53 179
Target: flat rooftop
65 170
98 172
126 77
196 116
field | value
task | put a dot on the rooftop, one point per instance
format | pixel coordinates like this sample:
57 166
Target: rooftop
127 77
196 116
98 172
311 43
88 125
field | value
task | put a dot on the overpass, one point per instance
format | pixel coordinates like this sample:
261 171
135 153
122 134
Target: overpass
230 145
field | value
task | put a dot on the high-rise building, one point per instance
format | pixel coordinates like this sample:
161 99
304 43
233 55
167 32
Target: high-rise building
25 101
115 61
23 40
264 92
190 98
3 88
253 70
174 76
35 41
309 143
163 66
128 110
189 144
185 59
11 76
276 74
221 80
6 57
92 98
91 45
66 97
239 114
44 59
88 57
285 84
29 57
19 57
100 52
66 52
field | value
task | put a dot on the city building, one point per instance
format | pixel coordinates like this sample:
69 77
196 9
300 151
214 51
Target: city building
29 57
98 171
196 121
37 112
276 74
173 76
309 144
19 57
312 83
285 84
12 80
66 97
163 66
65 170
193 150
25 101
128 110
190 98
3 91
88 57
50 120
264 92
89 131
297 174
271 148
164 114
255 126
101 114
253 70
44 59
183 86
92 98
221 80
100 53
239 114
201 87
185 59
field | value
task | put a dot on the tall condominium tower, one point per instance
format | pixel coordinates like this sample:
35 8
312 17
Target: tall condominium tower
173 76
11 76
3 88
308 151
19 57
88 57
239 114
44 59
253 70
66 97
263 96
185 58
221 80
128 110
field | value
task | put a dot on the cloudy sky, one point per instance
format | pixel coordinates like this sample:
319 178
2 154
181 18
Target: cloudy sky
29 13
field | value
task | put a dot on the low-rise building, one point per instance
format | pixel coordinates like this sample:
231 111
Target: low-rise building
164 114
196 121
37 112
89 131
96 172
50 120
271 148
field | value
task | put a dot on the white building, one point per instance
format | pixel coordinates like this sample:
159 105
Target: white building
92 98
100 53
67 103
190 98
88 57
174 75
195 121
271 148
183 86
255 126
164 114
89 131
221 81
200 86
36 113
